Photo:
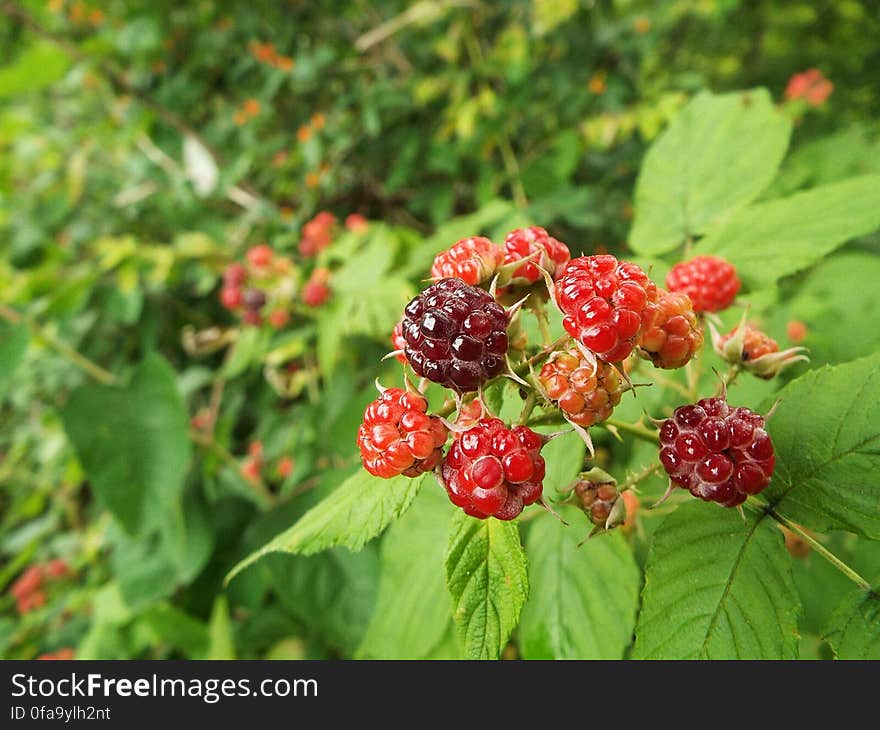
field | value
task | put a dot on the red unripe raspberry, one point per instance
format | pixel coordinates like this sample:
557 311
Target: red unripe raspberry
317 233
718 453
543 250
278 318
455 335
796 331
31 601
255 449
710 282
316 291
397 435
675 336
250 469
58 568
491 470
755 343
230 297
235 275
473 260
398 342
356 222
285 467
585 392
29 581
260 256
607 304
252 317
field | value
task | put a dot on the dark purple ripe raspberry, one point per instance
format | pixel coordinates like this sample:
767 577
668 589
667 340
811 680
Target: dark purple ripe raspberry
718 453
455 335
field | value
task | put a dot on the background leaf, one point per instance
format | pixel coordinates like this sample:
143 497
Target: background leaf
13 344
717 587
133 443
718 154
583 600
827 438
487 578
767 241
351 516
413 613
854 628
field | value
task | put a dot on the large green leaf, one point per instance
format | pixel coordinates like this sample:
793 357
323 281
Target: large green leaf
350 517
583 600
13 343
487 578
854 629
826 431
718 154
40 65
133 443
770 240
717 586
413 612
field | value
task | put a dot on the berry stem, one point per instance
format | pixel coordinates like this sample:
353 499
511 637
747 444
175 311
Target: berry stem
668 383
209 443
633 429
728 377
543 321
639 476
528 407
61 347
812 542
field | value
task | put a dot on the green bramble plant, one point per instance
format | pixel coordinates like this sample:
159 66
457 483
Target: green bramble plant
521 336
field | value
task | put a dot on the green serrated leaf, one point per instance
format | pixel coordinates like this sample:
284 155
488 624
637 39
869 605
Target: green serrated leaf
826 431
413 612
133 443
487 578
854 629
13 343
350 517
717 155
583 600
717 586
767 241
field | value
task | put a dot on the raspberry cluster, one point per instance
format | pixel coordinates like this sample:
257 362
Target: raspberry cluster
495 471
606 304
675 335
473 260
709 281
263 279
397 435
718 453
540 248
586 392
455 335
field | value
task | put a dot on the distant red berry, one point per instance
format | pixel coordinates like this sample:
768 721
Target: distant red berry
317 233
796 331
473 260
710 282
495 471
397 435
65 654
356 222
235 275
253 299
456 335
675 336
252 317
540 248
29 581
251 468
57 569
316 291
285 467
260 256
278 318
607 304
230 297
718 453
